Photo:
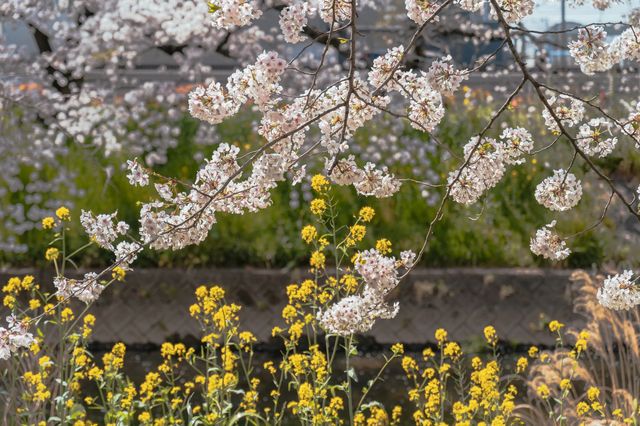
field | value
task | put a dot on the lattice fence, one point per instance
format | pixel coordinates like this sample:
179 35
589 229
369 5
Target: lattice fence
152 306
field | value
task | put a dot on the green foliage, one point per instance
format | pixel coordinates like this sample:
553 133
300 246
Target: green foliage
495 232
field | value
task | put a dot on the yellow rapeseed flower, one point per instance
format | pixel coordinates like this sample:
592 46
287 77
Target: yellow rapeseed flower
295 331
309 233
289 313
247 337
397 349
452 350
13 286
320 184
521 364
383 246
89 320
317 260
66 315
9 301
318 206
144 417
28 282
63 213
349 282
95 373
366 214
581 343
441 335
48 222
555 326
490 335
582 408
45 362
52 254
543 391
118 273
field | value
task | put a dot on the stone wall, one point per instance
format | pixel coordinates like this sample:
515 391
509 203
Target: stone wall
152 305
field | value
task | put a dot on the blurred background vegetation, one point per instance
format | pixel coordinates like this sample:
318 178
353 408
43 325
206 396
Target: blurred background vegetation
496 232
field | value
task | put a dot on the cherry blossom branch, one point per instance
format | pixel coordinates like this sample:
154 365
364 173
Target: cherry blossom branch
409 45
538 89
447 194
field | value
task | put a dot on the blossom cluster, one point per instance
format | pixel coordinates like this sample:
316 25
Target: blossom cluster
549 244
137 175
485 163
101 229
228 14
368 181
594 54
443 76
559 192
470 5
332 11
357 313
514 11
293 19
595 137
420 11
256 82
568 110
87 290
423 90
632 125
14 337
619 292
184 218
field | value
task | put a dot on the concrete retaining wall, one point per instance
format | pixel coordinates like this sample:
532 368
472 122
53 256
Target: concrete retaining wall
152 305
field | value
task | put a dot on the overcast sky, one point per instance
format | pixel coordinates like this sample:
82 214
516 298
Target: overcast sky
547 13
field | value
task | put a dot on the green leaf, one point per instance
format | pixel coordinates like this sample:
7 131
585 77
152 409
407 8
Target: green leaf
351 373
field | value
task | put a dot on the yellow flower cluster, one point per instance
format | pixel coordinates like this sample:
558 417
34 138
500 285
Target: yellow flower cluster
366 214
38 391
581 342
63 213
52 254
170 351
555 326
309 233
444 387
383 246
16 285
48 222
317 260
320 184
356 234
211 310
490 335
114 360
318 206
488 399
377 417
118 273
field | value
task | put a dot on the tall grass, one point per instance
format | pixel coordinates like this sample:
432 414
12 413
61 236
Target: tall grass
612 365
